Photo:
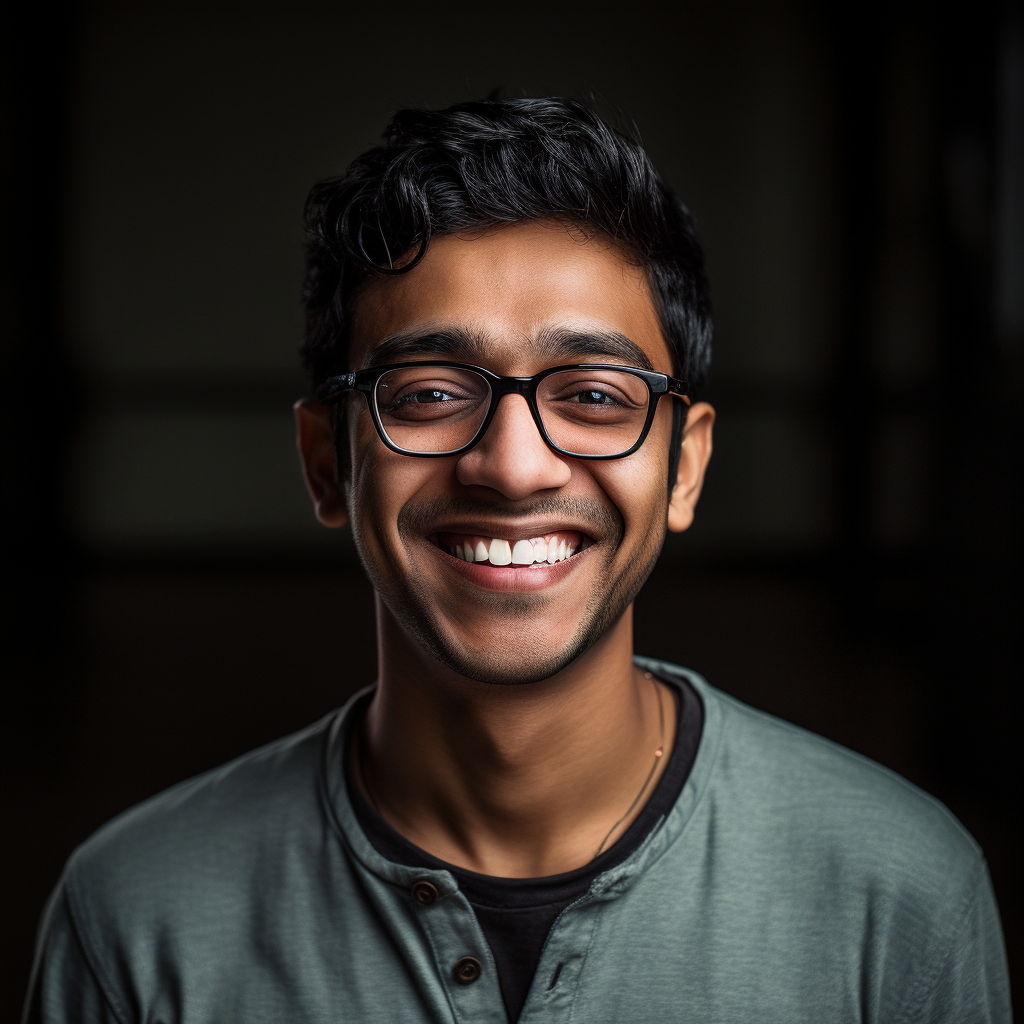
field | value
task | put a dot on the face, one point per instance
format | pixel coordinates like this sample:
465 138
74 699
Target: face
516 300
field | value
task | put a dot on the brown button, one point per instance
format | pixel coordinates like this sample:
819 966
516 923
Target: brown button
466 970
425 893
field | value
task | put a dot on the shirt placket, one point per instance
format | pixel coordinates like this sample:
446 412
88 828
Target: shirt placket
465 966
552 994
553 990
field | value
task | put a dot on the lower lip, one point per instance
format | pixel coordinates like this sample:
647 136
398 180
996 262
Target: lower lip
518 578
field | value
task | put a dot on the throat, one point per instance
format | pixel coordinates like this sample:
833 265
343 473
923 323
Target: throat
519 788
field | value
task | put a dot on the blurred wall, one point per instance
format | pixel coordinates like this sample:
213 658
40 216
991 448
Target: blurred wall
857 185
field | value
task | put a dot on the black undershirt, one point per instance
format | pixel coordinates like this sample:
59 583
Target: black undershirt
516 914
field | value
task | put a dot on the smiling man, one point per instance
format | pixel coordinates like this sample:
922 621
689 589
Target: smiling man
508 333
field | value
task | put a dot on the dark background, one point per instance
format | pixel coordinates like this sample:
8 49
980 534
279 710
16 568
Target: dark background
859 185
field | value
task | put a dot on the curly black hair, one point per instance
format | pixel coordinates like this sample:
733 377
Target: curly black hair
491 162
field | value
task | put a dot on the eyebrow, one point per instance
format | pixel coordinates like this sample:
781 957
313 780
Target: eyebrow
561 343
462 344
448 343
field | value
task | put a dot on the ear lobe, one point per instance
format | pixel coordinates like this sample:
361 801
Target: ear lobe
693 462
315 441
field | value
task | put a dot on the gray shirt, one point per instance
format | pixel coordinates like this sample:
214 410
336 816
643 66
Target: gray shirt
792 881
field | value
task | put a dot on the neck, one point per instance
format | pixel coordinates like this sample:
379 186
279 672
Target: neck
515 781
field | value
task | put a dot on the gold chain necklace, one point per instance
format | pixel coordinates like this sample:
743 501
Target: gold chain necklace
650 775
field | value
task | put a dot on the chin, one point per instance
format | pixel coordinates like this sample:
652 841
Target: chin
513 660
503 671
512 656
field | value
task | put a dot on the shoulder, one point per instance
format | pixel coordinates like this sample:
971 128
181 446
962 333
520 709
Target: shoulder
859 877
794 791
202 838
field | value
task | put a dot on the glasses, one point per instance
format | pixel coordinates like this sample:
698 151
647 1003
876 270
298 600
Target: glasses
434 409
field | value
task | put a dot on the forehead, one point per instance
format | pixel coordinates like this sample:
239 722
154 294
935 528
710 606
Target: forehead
512 289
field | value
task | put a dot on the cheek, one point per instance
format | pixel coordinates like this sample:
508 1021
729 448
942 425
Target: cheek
638 489
370 486
638 484
379 485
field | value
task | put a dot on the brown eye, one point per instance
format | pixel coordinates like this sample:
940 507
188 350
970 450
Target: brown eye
424 397
593 398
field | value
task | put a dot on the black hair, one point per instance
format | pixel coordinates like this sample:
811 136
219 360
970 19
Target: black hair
491 162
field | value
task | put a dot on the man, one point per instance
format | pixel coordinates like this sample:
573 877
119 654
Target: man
508 332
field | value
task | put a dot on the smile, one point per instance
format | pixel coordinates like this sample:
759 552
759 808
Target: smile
548 549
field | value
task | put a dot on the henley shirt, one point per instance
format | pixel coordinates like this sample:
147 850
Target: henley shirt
791 881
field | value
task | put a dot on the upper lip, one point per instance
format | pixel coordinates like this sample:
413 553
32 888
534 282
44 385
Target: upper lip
519 529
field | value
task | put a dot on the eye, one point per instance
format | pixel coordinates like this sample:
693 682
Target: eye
429 396
592 397
428 401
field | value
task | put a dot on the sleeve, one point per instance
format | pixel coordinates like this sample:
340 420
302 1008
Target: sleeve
972 983
64 988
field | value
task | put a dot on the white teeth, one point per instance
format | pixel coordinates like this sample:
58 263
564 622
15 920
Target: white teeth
522 553
552 555
499 552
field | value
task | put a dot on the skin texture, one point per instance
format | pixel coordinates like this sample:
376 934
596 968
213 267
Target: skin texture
510 729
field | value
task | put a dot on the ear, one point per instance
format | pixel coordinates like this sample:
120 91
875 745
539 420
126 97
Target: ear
692 464
315 441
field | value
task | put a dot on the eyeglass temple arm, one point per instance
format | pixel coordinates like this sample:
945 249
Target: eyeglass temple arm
334 386
680 389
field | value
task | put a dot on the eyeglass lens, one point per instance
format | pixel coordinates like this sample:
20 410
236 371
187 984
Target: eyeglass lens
434 409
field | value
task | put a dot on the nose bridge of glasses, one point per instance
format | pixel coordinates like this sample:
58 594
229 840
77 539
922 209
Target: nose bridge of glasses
511 417
503 386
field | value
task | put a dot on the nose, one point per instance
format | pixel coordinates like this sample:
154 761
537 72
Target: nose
511 457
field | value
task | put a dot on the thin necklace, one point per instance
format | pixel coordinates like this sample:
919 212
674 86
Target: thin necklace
364 775
650 775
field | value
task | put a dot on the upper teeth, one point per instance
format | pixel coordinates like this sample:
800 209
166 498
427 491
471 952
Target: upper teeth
498 551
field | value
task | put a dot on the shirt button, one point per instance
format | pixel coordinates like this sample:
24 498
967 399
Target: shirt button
466 970
425 893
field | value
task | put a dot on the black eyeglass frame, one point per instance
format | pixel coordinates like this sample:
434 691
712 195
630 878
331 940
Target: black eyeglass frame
658 384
